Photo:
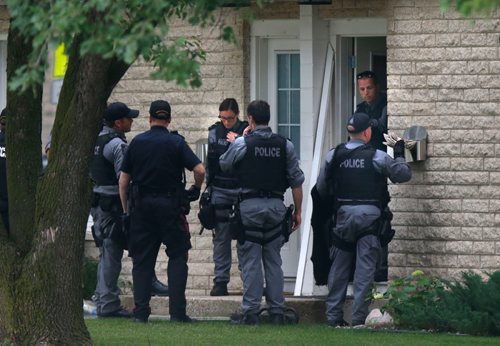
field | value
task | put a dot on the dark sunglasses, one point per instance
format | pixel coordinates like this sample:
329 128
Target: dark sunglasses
366 75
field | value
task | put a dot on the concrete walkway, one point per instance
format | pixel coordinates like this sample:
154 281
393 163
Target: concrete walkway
310 309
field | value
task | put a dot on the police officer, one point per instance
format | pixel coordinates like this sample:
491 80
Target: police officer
4 201
155 165
355 174
106 211
266 165
375 105
223 189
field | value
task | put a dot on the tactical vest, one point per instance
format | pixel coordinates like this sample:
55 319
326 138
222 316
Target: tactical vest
215 150
375 113
101 170
263 167
355 178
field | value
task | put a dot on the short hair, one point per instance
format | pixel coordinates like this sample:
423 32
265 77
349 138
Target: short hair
260 112
108 123
366 75
229 104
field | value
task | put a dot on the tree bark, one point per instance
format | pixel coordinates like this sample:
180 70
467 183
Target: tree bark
41 261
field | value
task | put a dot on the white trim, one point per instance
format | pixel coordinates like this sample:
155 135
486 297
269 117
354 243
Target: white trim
306 247
359 27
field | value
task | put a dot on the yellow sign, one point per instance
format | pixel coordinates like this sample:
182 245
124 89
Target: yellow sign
60 62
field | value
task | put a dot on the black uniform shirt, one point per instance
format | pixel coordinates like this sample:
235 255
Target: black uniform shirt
156 159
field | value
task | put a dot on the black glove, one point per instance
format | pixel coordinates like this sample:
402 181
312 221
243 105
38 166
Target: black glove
193 193
399 149
374 123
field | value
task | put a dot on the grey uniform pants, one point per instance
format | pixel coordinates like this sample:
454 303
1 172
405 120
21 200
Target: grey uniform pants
263 213
222 236
366 258
108 270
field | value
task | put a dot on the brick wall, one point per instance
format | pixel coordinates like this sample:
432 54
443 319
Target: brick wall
443 73
224 74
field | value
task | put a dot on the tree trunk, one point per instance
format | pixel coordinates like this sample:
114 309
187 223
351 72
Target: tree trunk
42 273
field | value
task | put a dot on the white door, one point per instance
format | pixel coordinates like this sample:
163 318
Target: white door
284 99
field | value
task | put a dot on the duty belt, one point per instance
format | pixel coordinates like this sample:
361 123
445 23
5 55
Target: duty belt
261 194
359 202
225 183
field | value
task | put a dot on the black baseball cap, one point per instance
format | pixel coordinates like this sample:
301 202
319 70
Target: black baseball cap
119 110
359 122
160 109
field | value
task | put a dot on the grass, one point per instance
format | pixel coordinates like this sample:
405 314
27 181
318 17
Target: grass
157 332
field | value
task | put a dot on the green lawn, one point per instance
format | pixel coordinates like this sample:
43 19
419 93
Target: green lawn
124 332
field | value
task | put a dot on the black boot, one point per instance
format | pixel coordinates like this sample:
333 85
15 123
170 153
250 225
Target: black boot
248 319
219 289
158 288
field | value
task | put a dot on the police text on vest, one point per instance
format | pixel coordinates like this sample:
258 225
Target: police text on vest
353 163
267 152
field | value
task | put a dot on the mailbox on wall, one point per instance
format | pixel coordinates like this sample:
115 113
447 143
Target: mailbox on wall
418 152
416 144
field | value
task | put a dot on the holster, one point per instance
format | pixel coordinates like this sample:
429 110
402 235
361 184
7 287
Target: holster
110 226
206 215
183 201
287 224
385 231
236 225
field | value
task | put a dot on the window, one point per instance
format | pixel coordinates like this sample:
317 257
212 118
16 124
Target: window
289 97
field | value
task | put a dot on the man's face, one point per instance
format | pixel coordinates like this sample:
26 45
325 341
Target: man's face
124 124
228 118
367 89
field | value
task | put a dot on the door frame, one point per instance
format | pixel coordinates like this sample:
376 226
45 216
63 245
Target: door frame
340 31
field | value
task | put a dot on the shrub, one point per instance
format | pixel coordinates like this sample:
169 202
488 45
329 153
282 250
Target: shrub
469 306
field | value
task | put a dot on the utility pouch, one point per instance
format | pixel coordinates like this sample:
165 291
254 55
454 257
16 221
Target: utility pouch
236 225
385 231
120 230
206 215
286 226
183 201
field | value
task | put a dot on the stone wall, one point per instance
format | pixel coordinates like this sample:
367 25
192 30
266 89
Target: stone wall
224 75
443 73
